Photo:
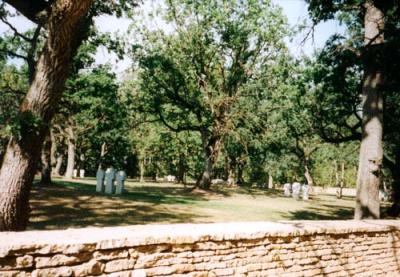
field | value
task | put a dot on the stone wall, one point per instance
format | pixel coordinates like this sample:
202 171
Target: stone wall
300 248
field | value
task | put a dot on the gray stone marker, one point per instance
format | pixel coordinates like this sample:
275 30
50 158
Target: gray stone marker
75 173
81 173
120 179
287 189
100 180
110 175
305 190
296 187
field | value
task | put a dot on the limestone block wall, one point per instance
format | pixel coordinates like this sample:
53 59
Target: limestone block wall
295 248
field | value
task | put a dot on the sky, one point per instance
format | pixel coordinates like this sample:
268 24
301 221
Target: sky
294 10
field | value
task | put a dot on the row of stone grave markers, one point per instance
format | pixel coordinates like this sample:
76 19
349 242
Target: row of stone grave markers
81 173
110 181
295 189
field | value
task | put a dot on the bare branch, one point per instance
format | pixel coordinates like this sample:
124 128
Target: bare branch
14 54
16 33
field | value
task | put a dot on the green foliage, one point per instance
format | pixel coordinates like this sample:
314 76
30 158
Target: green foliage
93 106
219 68
196 74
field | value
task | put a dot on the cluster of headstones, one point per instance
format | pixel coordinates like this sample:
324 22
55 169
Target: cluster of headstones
110 181
294 190
81 173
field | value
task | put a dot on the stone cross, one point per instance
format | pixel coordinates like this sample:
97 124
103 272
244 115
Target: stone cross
296 187
120 178
110 175
305 189
286 189
100 180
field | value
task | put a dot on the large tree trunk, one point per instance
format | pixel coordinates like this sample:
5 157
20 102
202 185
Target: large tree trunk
71 153
46 160
371 153
103 152
206 177
211 147
230 168
309 178
240 169
181 169
53 151
23 152
142 165
231 180
59 161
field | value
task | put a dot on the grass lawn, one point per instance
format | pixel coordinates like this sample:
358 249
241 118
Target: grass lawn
76 204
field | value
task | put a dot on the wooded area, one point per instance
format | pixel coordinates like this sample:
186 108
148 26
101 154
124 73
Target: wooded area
213 94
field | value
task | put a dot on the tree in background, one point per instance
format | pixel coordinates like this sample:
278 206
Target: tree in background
376 23
63 22
193 78
66 24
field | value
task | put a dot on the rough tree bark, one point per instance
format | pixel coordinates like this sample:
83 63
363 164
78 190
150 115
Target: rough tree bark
371 152
309 178
211 146
230 167
103 152
240 168
70 152
232 171
181 169
59 161
63 23
46 161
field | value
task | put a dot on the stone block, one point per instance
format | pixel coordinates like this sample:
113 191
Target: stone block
60 260
63 271
119 265
108 255
13 263
92 267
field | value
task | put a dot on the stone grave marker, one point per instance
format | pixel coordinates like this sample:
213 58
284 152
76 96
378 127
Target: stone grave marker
287 189
305 190
110 175
296 187
99 180
120 178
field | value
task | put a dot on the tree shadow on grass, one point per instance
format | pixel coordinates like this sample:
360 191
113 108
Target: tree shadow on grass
317 214
274 193
322 207
70 204
248 190
323 212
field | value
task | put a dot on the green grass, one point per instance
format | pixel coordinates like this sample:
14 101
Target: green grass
76 204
